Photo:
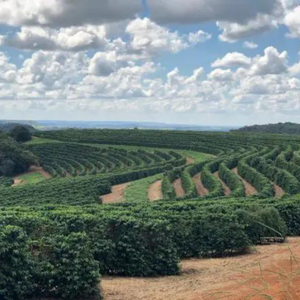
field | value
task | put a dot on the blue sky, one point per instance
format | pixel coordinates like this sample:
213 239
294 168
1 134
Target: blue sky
204 62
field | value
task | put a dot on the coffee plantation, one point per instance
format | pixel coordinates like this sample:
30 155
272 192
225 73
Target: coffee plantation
219 193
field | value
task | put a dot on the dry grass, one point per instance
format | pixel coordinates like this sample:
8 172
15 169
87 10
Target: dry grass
269 272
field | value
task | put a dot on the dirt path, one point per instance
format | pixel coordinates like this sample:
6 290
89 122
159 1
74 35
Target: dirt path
249 189
154 191
202 191
232 278
17 181
178 188
279 192
227 191
116 195
189 160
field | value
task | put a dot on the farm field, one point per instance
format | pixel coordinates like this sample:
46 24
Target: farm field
139 203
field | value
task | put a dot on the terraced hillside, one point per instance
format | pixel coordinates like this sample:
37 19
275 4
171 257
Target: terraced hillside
133 203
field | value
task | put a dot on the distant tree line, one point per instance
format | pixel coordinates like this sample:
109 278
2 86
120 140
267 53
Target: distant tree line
285 128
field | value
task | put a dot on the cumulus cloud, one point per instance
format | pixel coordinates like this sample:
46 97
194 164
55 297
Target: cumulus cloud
236 19
52 70
233 31
147 36
199 37
234 59
103 64
65 13
64 39
292 21
7 70
250 45
272 62
150 38
220 75
109 82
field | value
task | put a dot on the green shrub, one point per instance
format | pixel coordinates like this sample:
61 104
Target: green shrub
16 264
67 268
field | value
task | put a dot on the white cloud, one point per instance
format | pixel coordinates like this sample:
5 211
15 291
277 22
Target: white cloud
52 70
108 82
103 64
250 45
65 39
150 39
146 39
292 21
198 37
7 70
65 13
272 62
220 75
234 59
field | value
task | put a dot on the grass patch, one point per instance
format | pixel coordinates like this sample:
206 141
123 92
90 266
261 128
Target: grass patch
32 178
137 191
38 141
196 156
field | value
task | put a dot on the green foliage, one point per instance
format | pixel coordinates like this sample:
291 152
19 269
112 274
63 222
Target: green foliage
265 222
6 181
71 234
21 134
210 181
283 178
67 268
132 247
254 177
14 158
16 265
62 159
232 181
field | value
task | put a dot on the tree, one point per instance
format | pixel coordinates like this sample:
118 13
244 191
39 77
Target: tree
21 134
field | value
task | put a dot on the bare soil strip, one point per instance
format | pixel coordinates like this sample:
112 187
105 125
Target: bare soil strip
116 195
227 191
154 191
249 189
189 160
279 192
202 191
178 188
18 181
233 278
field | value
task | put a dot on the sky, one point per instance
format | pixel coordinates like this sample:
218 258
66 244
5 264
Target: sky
202 62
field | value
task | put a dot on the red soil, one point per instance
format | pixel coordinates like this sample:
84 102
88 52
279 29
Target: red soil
279 192
249 189
178 188
116 194
154 191
202 191
269 270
